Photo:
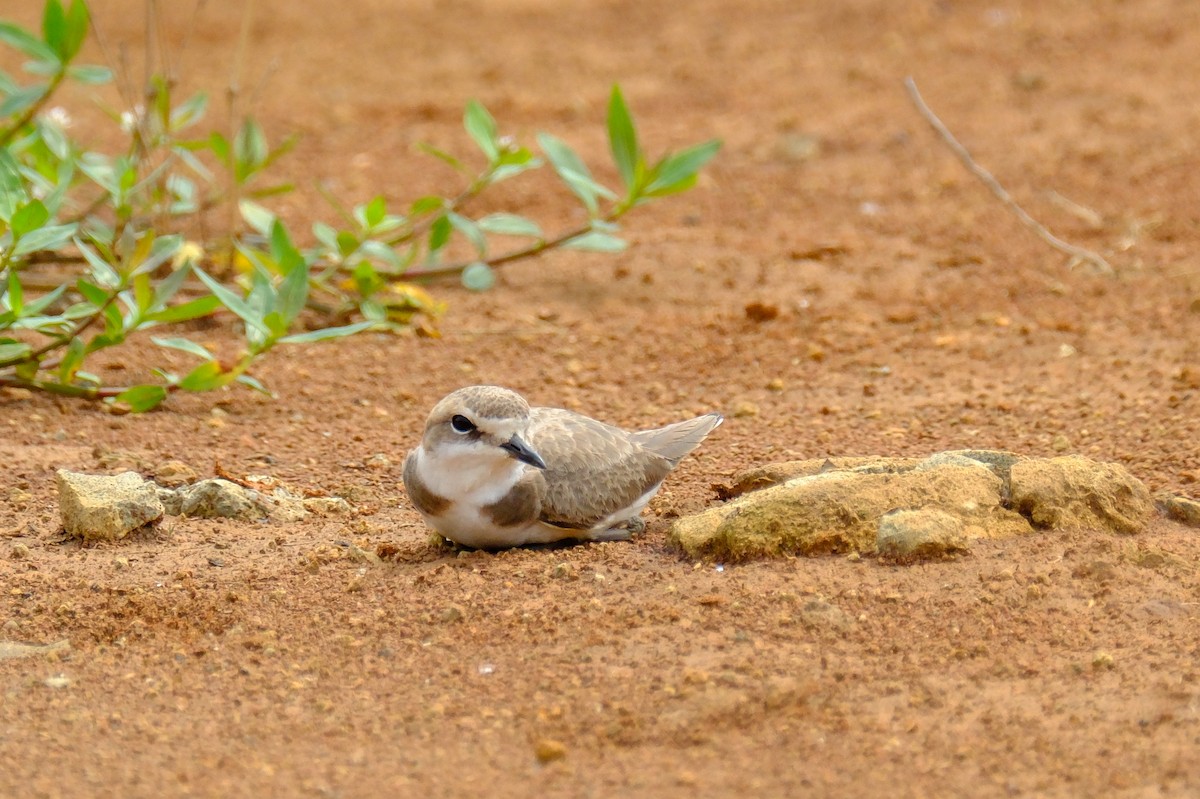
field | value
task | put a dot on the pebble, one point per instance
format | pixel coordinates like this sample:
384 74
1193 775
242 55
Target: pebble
547 750
745 410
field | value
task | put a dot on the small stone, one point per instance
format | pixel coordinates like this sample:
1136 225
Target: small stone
1181 509
547 750
12 649
1060 443
106 508
921 533
776 384
451 614
745 410
327 506
819 614
378 462
57 681
565 571
19 499
218 498
761 312
173 474
19 551
171 501
1103 661
283 506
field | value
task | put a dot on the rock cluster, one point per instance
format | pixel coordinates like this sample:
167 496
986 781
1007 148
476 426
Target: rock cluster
910 508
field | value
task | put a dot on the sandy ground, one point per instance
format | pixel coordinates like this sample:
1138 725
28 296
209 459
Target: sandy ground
914 315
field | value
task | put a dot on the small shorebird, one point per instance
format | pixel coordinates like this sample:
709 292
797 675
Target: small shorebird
492 472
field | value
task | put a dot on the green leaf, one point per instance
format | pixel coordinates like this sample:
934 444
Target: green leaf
205 377
142 398
143 294
439 233
102 272
220 148
249 150
184 345
622 139
26 42
347 242
478 277
671 174
381 252
12 185
375 211
470 230
54 28
282 249
72 359
510 225
90 74
28 217
92 293
326 333
482 128
247 380
76 29
46 300
193 309
189 112
256 216
233 302
292 295
573 172
442 155
425 205
14 297
51 237
12 351
20 101
595 241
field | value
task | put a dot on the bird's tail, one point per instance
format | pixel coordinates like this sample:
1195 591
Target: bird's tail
675 441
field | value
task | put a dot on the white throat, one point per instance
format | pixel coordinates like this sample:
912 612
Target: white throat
475 474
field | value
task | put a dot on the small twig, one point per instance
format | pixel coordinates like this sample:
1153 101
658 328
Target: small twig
1078 253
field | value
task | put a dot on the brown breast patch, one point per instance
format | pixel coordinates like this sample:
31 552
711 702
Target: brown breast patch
426 501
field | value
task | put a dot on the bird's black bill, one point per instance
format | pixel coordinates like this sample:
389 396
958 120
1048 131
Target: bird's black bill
523 452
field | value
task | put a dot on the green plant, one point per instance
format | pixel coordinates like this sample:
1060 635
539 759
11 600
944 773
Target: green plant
121 225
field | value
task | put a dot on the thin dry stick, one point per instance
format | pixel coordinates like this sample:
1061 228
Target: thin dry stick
1079 254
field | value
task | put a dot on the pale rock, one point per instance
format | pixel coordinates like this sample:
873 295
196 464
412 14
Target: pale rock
917 534
106 507
1077 493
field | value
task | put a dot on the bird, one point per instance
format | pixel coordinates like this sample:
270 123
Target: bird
492 472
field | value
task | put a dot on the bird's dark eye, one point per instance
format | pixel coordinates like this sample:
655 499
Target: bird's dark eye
461 424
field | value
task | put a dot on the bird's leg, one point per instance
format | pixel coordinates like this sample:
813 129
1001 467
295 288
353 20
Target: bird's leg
621 532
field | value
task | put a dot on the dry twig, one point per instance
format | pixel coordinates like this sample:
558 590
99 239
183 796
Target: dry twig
1078 254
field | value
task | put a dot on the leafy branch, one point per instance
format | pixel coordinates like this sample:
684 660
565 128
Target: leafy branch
119 221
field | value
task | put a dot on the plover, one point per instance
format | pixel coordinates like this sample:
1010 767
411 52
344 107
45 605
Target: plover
492 472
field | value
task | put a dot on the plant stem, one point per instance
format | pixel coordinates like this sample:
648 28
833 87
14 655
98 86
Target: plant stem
535 249
68 390
84 324
6 136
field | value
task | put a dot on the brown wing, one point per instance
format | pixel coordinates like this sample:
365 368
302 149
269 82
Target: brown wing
592 469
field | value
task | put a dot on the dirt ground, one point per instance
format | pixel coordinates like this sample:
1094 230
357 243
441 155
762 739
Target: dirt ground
914 315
